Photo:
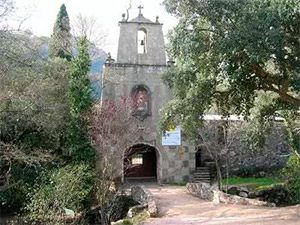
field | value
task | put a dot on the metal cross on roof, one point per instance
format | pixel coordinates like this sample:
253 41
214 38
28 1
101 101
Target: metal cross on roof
140 8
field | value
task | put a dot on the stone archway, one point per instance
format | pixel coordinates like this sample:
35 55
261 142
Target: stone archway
141 161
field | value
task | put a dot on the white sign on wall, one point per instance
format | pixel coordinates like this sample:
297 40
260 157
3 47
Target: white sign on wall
172 137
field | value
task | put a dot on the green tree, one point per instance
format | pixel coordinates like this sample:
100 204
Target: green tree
80 102
60 43
80 90
33 111
292 175
230 52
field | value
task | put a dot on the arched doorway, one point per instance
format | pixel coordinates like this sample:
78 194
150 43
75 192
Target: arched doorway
140 161
198 158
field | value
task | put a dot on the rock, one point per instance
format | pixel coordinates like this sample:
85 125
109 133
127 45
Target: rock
145 198
201 190
260 193
152 208
275 194
243 194
251 194
135 210
244 189
233 190
221 197
262 174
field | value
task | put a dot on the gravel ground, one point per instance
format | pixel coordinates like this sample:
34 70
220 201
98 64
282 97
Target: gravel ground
176 207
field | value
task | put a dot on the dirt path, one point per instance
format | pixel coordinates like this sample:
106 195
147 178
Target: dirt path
177 207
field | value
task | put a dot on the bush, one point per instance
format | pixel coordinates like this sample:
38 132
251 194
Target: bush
292 173
13 198
18 177
247 171
65 188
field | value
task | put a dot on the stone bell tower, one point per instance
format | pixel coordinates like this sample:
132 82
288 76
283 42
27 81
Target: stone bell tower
141 42
141 61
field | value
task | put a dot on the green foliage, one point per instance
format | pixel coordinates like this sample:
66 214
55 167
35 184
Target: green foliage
292 174
33 111
79 88
19 168
14 198
248 172
259 125
135 220
33 92
34 104
227 51
39 99
292 124
68 187
79 147
253 183
80 102
60 43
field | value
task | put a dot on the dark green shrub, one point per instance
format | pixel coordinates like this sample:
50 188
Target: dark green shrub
15 188
14 197
247 171
68 187
292 174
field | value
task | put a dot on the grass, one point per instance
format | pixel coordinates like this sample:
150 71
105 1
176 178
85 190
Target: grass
177 184
136 220
252 182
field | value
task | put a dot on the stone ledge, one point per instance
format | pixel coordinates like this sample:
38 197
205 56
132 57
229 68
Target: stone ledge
221 197
201 190
206 192
145 198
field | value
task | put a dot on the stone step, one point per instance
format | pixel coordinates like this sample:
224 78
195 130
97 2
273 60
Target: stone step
201 181
201 173
203 177
201 169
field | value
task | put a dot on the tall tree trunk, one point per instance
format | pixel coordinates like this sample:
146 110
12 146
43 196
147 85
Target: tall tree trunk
104 219
227 172
219 175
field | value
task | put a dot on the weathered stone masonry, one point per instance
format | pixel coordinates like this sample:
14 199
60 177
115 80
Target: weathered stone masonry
175 164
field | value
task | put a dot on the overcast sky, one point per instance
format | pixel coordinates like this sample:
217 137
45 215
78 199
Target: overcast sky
42 14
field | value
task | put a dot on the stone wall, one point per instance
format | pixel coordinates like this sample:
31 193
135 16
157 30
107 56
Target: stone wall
206 192
174 164
243 162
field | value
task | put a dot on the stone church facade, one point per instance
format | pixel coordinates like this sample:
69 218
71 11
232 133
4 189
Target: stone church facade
141 61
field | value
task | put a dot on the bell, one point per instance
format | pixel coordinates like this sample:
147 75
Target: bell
142 42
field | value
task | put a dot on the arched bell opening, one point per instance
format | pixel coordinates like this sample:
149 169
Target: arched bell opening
142 41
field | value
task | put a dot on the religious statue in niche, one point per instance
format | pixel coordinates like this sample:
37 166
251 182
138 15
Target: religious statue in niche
142 102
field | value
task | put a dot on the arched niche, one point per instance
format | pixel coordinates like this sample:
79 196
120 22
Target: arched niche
141 97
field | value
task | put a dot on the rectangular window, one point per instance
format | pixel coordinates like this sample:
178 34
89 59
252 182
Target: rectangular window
137 159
